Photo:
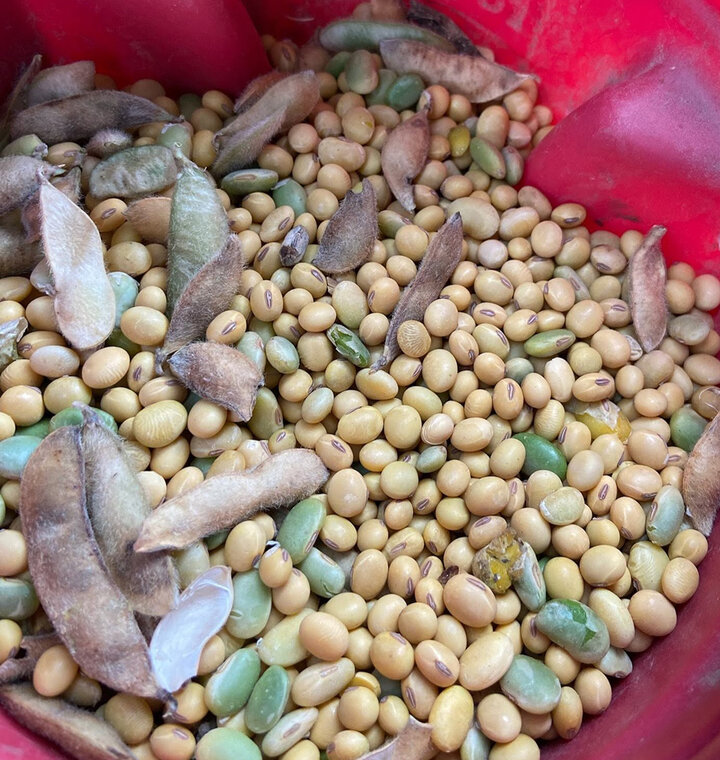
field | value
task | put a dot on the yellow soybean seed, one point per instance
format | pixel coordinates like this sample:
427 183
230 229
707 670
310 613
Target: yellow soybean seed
54 671
160 423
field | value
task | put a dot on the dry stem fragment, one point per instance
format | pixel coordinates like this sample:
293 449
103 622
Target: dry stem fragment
701 480
646 276
79 732
412 742
404 155
79 117
151 218
478 79
224 500
438 263
350 235
87 609
61 82
84 299
218 373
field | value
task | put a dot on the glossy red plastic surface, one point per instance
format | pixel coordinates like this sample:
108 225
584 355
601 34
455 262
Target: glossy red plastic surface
640 146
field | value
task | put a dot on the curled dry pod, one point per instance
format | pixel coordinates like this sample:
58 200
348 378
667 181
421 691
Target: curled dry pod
350 234
701 479
10 334
412 742
70 184
61 82
404 155
198 229
19 179
108 141
224 500
79 117
478 79
218 373
87 609
117 507
79 732
439 262
16 98
180 636
20 668
84 299
256 89
646 275
151 218
429 18
134 172
294 246
18 255
208 293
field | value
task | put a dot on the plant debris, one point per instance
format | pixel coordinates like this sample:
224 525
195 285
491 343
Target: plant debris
475 77
256 89
10 333
412 742
701 480
404 155
224 500
108 141
350 234
432 19
70 184
646 276
20 668
294 246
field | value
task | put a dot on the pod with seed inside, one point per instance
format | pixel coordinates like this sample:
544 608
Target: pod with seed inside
61 82
134 172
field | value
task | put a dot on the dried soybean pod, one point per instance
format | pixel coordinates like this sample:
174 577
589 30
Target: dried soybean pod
198 229
478 79
701 480
441 258
70 184
61 82
134 172
404 155
84 300
206 295
350 235
224 500
117 507
219 373
243 146
18 255
646 275
256 89
79 117
151 218
412 742
78 732
21 668
19 179
429 18
108 141
10 334
87 609
294 246
16 99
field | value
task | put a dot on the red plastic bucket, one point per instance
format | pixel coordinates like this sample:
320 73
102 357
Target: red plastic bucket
636 82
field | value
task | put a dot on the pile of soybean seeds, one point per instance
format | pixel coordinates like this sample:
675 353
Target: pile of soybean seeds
416 446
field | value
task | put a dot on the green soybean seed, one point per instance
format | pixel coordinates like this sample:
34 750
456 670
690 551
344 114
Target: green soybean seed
389 222
289 192
531 685
352 34
73 416
282 355
686 427
14 454
26 145
300 528
263 329
134 172
281 645
3 512
251 605
118 338
488 157
226 744
177 138
527 578
549 343
266 417
616 663
405 92
287 732
378 97
325 576
476 746
253 346
336 65
230 686
514 164
125 289
187 103
541 454
203 464
268 699
575 627
431 459
563 506
665 516
518 369
582 293
245 181
349 345
216 539
361 72
39 429
18 600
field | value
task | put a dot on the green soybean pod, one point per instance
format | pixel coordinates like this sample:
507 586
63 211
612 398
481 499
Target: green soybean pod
300 528
39 429
575 627
325 576
230 686
541 454
665 516
14 454
405 92
226 744
125 289
268 699
251 605
289 192
349 345
18 600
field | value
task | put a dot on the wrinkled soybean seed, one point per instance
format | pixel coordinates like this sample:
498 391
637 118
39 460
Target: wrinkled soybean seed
575 627
301 527
230 687
349 345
